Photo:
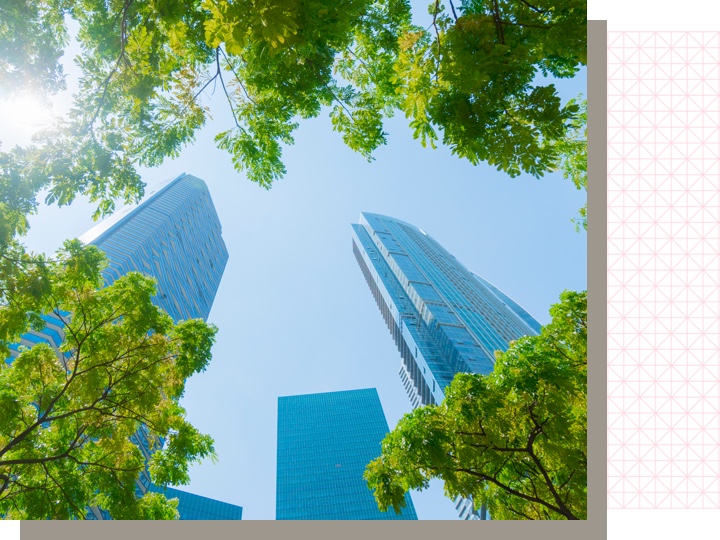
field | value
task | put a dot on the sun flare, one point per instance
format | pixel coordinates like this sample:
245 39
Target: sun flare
26 114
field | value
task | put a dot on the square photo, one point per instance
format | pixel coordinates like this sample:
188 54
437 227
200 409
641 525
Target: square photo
293 260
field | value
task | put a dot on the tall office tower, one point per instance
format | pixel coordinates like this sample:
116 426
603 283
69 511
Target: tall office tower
175 236
444 319
324 443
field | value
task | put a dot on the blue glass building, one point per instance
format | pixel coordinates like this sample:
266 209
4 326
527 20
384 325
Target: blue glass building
324 443
196 507
444 318
175 236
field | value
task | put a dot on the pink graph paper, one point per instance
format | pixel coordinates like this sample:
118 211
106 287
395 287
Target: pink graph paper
663 272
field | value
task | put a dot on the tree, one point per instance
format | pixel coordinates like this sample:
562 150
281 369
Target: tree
514 440
32 38
67 419
470 79
473 77
573 158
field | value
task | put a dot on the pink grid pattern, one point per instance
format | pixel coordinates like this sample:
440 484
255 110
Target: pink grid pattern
663 270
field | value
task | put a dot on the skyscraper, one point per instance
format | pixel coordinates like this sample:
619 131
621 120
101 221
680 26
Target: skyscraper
175 236
324 443
444 318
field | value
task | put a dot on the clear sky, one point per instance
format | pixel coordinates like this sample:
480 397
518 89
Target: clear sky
294 312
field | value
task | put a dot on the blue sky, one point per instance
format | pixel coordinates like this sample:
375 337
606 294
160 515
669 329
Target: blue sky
294 312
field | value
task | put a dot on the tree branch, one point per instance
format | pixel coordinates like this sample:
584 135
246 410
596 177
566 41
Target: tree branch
227 96
68 500
498 26
434 23
519 513
512 491
551 487
534 8
239 81
452 7
73 446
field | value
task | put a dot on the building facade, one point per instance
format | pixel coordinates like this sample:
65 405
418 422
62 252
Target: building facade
444 318
196 507
175 236
324 443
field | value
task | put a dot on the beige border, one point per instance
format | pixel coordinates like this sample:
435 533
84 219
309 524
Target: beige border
597 279
595 528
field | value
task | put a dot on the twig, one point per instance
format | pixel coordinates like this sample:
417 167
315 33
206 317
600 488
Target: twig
214 78
348 49
222 81
534 8
434 23
452 7
341 102
227 60
122 57
498 24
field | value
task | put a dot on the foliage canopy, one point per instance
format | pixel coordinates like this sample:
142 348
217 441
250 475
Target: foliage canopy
68 415
471 79
515 440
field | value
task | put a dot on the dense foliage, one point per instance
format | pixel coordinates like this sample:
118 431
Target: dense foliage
515 440
67 415
573 161
471 79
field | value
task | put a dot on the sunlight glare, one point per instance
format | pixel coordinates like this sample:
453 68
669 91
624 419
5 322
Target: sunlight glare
22 116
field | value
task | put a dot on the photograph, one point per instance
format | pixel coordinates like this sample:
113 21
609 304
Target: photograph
294 260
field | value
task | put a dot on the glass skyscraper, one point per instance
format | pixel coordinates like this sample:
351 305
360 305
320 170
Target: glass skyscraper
444 319
196 507
324 443
175 236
